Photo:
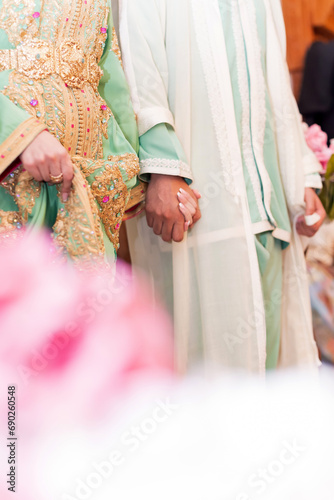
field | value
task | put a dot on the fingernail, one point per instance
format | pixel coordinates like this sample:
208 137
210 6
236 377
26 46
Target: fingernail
182 190
65 197
181 205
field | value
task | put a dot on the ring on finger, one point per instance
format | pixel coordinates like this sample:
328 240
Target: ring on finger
57 179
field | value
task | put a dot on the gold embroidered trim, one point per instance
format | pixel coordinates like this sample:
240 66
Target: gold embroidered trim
38 59
26 192
16 19
17 142
109 189
77 118
77 229
10 221
115 46
137 195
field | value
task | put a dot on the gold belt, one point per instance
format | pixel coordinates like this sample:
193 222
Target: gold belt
38 59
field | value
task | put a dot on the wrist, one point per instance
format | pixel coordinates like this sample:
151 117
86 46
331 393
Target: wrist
166 178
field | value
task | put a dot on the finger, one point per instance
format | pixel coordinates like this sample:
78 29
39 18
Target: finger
191 195
305 230
166 231
68 174
55 170
310 200
149 219
157 226
178 232
186 197
197 194
33 171
43 167
187 226
197 215
185 201
186 213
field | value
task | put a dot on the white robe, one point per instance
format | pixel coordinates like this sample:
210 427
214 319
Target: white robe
175 60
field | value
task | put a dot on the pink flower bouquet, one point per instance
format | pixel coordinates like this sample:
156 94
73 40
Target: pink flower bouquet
317 140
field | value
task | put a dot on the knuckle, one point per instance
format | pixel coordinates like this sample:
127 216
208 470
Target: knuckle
168 215
178 238
29 164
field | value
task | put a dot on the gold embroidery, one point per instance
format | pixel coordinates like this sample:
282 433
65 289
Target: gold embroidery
38 59
55 76
10 221
115 46
77 229
109 189
10 182
78 118
16 18
26 192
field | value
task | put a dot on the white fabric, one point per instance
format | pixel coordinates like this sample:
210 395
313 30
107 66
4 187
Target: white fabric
175 59
165 167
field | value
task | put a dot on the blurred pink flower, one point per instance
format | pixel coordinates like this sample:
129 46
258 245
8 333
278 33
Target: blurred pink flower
317 141
71 341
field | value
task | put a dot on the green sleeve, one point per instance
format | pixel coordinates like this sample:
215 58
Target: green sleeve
122 130
160 152
17 130
114 89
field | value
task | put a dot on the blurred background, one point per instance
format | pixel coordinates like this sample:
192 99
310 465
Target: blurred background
306 21
310 53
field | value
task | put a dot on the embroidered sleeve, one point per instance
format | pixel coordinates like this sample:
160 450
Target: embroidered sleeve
14 142
161 153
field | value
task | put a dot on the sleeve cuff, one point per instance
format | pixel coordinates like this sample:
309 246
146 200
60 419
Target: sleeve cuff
149 117
165 167
313 181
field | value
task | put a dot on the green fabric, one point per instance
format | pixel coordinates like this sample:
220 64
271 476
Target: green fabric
278 205
11 116
269 253
122 129
161 141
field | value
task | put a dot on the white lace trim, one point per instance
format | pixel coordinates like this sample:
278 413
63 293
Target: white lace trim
244 94
258 95
165 166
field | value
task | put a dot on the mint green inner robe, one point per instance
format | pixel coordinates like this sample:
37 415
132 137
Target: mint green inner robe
270 221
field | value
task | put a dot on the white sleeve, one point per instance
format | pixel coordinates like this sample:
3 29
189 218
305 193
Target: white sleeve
142 31
311 166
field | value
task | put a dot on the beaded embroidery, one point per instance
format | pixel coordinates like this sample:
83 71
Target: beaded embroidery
55 76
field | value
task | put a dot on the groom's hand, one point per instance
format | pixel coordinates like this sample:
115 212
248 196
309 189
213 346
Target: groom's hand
313 206
162 206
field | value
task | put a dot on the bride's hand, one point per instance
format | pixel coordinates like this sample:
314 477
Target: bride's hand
47 160
189 207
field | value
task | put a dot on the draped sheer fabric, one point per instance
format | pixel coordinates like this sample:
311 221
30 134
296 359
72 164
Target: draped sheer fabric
211 281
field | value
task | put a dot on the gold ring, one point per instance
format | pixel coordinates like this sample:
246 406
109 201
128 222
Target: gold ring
56 179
